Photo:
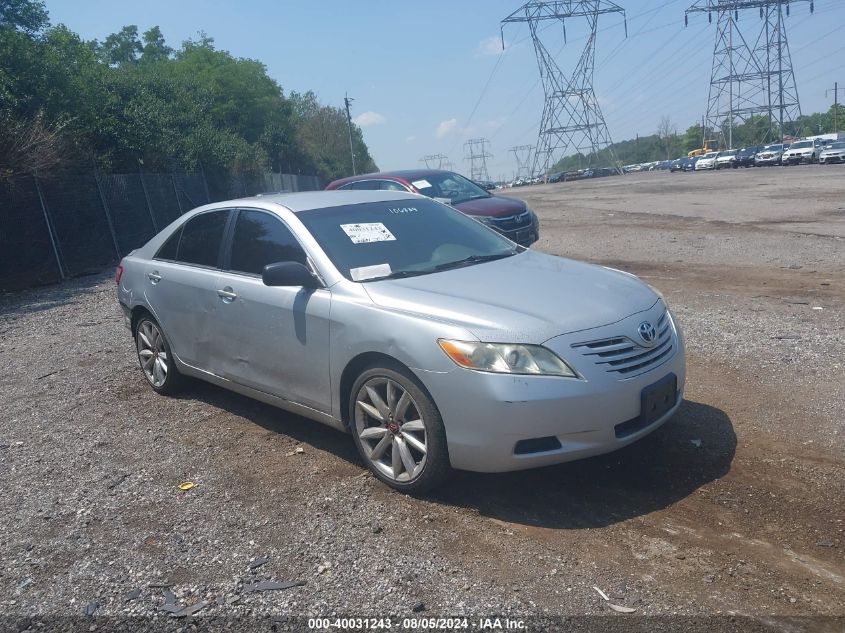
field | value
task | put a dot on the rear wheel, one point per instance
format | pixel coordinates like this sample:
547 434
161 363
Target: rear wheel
155 358
398 430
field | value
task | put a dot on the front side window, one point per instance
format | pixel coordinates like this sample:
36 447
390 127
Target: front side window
201 238
402 238
260 239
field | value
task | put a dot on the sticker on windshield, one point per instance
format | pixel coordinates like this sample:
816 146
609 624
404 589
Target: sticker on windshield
367 232
421 184
370 272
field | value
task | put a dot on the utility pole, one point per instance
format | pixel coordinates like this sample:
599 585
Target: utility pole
835 92
347 100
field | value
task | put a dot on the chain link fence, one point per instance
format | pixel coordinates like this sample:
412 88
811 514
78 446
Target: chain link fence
65 225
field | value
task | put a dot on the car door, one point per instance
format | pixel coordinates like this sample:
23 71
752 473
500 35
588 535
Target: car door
274 339
179 285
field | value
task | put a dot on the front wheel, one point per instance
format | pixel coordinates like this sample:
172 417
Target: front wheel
398 430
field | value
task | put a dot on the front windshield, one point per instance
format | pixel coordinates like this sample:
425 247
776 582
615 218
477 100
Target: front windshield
711 155
730 152
402 238
837 146
772 148
802 144
449 186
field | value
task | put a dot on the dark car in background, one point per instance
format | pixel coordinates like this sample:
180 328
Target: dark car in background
510 217
745 156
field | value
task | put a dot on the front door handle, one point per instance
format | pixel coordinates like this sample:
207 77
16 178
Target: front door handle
227 294
154 277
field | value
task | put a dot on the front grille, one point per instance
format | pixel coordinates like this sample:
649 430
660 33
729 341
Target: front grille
513 221
624 357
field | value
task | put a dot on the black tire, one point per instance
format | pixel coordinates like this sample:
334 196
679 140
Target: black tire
172 380
435 467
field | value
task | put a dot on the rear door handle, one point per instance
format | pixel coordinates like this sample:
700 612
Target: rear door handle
227 294
154 277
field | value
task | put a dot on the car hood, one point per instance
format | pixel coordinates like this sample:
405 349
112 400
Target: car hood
527 298
833 152
494 206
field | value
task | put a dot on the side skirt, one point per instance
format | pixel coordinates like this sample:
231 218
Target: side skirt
276 401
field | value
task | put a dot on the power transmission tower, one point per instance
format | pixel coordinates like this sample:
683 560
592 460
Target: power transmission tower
434 161
477 156
572 118
522 154
752 73
347 100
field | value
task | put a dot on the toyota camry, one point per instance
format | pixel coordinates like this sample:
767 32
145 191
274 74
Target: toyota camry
431 339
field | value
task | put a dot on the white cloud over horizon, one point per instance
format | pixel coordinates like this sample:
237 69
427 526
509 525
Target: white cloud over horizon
444 128
490 46
368 118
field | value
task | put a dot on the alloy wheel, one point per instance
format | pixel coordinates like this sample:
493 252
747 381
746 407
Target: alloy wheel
391 429
152 353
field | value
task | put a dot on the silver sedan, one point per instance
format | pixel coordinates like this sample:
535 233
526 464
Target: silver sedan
430 338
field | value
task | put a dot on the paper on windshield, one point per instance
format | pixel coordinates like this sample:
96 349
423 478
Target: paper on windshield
421 184
369 272
367 232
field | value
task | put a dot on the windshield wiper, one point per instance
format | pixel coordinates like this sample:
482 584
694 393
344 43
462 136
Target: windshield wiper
474 259
400 274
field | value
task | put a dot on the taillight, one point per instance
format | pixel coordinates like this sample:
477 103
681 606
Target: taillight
118 275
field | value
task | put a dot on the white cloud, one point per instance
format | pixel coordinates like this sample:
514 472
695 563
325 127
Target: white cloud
444 128
368 118
490 46
411 139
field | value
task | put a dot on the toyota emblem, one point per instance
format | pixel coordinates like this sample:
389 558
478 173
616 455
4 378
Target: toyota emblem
647 332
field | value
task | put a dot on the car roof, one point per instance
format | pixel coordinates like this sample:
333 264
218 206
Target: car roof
307 200
403 174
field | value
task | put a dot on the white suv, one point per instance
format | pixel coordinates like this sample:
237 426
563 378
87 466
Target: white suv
803 152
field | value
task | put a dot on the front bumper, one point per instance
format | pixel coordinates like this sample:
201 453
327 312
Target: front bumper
797 159
826 160
490 419
525 235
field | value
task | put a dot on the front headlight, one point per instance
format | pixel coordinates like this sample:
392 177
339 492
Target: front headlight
506 358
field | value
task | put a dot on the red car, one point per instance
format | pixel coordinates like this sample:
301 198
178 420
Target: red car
510 217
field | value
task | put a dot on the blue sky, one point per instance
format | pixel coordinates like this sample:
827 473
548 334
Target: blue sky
426 76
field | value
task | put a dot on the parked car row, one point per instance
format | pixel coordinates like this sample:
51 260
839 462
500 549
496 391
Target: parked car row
807 151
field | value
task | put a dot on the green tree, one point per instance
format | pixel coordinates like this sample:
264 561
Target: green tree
29 16
154 48
122 47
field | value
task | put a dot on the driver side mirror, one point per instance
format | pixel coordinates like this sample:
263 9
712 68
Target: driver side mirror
289 274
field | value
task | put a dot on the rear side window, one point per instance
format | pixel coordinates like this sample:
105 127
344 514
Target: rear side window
260 239
201 238
169 248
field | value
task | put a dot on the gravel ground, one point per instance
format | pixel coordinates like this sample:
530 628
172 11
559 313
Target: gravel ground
735 507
